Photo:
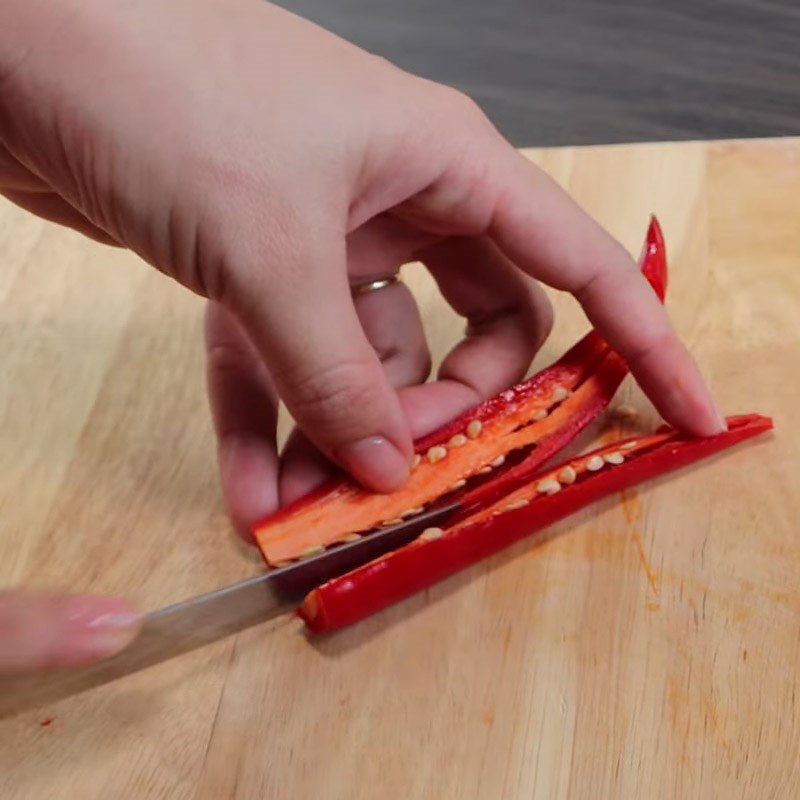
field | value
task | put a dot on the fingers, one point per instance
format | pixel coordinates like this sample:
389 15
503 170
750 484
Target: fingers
244 409
508 318
380 246
303 467
307 331
485 187
43 630
508 315
391 322
543 231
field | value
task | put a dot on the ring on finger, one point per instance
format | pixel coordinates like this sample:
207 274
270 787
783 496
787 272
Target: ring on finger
373 285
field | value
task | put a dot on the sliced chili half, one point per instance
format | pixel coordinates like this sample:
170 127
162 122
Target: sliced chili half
554 493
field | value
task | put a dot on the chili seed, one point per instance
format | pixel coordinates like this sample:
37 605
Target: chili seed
458 485
614 458
459 440
499 461
352 537
484 470
389 522
436 453
548 486
594 463
515 505
567 475
312 551
430 533
412 512
416 461
539 415
474 428
559 394
629 445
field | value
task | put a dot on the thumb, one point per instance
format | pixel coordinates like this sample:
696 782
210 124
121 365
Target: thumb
41 630
305 325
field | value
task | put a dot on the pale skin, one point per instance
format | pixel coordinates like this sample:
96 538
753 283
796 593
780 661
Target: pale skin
266 164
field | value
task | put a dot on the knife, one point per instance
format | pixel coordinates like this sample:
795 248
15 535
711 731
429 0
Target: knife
190 624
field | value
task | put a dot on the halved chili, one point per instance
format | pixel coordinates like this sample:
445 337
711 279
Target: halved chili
554 493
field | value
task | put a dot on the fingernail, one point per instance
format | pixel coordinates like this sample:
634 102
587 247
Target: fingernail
376 463
721 421
96 627
109 643
113 622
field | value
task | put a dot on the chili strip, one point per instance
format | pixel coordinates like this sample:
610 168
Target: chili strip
437 554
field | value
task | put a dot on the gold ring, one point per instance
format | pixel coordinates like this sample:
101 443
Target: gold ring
375 285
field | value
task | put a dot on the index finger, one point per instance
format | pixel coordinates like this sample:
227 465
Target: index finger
548 235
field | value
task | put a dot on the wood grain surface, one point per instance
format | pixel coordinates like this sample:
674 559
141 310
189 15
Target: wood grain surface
645 648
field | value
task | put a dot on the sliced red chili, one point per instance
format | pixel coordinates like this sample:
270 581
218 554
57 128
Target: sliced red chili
555 493
533 420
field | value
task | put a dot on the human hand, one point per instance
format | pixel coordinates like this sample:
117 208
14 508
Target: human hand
266 164
43 630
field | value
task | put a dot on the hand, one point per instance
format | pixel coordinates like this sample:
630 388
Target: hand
42 630
265 164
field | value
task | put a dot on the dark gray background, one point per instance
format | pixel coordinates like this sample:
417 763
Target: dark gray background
554 72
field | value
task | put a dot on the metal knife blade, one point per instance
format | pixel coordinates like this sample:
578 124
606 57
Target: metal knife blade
190 624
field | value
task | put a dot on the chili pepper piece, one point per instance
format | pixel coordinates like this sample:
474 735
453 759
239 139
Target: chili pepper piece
587 403
366 590
654 258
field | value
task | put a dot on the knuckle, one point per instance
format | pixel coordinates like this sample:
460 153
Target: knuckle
384 63
461 102
336 400
224 358
472 118
227 348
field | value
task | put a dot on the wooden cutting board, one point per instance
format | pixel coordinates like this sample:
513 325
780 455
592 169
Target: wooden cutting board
648 648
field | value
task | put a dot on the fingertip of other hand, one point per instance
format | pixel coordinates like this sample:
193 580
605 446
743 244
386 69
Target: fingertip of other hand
94 627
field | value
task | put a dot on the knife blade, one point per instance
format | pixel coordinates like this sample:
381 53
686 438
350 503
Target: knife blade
190 624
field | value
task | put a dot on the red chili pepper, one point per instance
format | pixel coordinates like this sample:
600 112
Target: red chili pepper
574 484
534 420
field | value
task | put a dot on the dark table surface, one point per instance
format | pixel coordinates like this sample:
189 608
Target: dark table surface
552 72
